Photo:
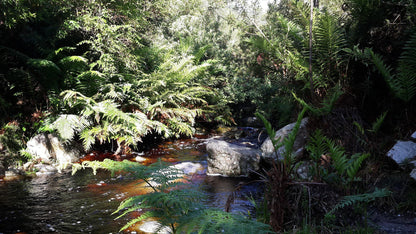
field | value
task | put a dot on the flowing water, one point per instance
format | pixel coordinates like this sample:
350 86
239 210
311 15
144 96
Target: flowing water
83 203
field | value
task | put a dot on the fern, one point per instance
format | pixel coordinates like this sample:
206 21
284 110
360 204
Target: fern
406 80
379 121
329 42
180 209
355 164
326 105
403 82
317 145
68 125
346 167
365 197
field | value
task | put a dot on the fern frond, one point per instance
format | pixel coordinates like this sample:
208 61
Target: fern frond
355 164
317 145
74 64
339 159
406 79
365 197
327 104
379 121
68 125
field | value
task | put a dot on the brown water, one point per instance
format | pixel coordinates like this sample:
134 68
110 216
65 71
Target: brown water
83 203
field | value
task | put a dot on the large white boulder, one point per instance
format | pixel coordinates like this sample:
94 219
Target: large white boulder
228 159
268 151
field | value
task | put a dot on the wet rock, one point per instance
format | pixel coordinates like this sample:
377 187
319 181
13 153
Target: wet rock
404 154
49 149
268 154
230 159
13 174
140 159
154 227
189 168
44 169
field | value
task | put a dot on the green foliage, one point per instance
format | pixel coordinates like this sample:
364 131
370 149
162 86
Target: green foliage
343 169
364 197
174 204
12 141
102 121
402 81
329 42
326 105
375 127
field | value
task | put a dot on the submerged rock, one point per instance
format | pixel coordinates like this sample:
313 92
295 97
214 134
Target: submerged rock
49 149
230 159
189 168
154 227
268 152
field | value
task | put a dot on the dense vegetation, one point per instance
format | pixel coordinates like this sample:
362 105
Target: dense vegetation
113 72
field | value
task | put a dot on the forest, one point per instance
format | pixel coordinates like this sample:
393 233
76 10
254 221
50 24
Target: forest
119 75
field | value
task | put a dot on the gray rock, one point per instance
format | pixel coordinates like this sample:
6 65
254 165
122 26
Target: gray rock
49 149
12 172
44 169
231 160
413 136
413 174
268 152
403 151
404 154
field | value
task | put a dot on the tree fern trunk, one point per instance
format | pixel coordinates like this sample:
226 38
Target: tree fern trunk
310 48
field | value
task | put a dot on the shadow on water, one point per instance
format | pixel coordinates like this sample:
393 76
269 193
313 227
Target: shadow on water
83 203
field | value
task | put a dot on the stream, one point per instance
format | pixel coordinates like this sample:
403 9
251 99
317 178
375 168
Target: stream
83 203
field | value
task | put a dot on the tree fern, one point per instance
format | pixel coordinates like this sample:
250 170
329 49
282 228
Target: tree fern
329 42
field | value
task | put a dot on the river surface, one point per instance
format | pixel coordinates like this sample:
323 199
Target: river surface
83 203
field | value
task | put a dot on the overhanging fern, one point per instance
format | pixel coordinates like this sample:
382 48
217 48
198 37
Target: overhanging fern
180 209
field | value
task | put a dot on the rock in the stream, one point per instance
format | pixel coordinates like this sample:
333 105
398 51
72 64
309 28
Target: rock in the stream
404 153
154 227
231 160
49 149
267 148
177 172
